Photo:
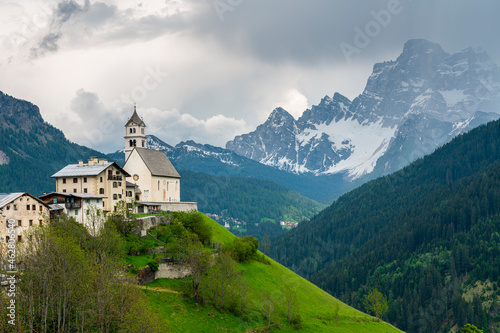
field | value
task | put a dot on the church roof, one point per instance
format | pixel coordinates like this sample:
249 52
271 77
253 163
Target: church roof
157 162
135 119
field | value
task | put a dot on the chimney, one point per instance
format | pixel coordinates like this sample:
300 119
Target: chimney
80 163
92 161
103 161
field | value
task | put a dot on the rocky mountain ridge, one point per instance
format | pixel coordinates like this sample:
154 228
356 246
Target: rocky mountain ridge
410 106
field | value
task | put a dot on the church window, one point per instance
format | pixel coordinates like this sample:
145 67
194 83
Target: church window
130 130
142 130
143 145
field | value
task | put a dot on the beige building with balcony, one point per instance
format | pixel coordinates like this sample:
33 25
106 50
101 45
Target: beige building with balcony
97 177
26 211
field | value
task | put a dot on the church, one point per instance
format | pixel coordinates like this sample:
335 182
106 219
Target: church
155 181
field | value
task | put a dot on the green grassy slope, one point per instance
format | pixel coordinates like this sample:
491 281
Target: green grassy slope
316 306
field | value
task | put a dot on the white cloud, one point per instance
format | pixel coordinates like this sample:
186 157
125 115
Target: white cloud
99 126
294 102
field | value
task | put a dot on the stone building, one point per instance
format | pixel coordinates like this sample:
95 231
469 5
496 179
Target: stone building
25 210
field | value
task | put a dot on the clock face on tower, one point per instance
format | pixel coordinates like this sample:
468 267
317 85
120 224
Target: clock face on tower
136 177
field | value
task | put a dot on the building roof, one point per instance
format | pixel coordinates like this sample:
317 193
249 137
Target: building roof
135 119
157 162
76 170
56 207
6 198
76 195
130 184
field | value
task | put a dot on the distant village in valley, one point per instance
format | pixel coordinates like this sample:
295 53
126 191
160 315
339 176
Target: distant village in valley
147 183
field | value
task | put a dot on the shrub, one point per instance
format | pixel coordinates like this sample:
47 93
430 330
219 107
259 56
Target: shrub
153 265
195 223
243 248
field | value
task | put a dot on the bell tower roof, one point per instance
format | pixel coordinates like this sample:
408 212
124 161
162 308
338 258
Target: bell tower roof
135 119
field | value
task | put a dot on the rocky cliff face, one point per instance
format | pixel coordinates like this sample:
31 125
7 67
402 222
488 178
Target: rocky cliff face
410 106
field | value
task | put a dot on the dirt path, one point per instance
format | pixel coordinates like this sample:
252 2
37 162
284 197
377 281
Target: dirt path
163 290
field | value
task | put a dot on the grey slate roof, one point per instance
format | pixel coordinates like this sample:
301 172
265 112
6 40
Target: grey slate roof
135 119
75 170
157 162
6 198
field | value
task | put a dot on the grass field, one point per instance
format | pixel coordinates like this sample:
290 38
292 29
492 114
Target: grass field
317 308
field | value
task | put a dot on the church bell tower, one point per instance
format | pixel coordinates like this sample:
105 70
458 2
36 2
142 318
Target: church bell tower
135 134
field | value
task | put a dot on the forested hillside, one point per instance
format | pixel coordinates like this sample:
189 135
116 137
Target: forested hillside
261 204
424 236
32 149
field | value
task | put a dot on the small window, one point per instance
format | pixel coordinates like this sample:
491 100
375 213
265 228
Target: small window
19 238
84 179
143 144
74 190
7 238
8 207
84 190
41 208
87 201
31 223
54 200
119 196
130 130
76 212
64 191
101 179
117 172
119 184
101 191
75 180
64 180
15 207
115 197
27 207
19 223
115 185
142 130
33 207
158 185
40 222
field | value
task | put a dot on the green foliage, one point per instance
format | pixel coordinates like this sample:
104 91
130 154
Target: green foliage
153 265
195 223
376 303
414 235
470 329
243 248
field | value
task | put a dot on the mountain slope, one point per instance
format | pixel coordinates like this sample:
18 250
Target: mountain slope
410 106
315 306
32 149
218 161
419 235
259 204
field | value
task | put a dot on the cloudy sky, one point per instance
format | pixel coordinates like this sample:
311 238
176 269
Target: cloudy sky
208 70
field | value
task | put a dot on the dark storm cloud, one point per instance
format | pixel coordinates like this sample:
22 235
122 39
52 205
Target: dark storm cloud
311 32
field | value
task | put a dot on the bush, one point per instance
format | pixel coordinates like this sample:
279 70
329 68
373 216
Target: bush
243 248
153 265
195 223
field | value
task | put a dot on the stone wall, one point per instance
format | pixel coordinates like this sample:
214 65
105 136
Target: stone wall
178 206
172 270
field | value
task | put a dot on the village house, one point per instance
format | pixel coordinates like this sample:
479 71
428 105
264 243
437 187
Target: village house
25 209
97 177
82 206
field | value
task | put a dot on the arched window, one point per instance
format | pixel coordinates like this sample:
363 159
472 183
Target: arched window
130 130
142 130
134 130
143 144
131 143
134 142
